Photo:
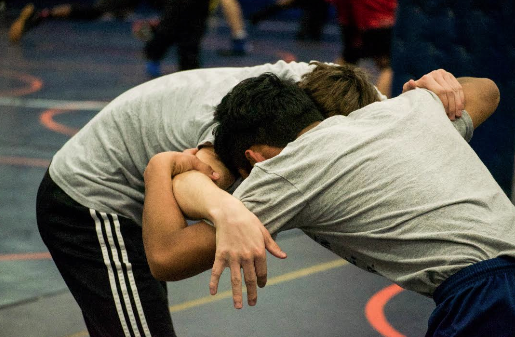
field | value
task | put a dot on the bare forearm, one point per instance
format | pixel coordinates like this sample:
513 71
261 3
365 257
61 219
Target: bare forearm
199 198
174 250
481 98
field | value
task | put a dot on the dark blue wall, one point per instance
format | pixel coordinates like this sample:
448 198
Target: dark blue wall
468 38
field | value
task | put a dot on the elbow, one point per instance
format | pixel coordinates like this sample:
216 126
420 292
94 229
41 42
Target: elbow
162 269
165 276
157 267
497 96
494 94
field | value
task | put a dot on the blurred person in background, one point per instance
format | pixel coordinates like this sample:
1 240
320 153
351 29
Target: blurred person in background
182 23
366 30
31 17
314 17
231 9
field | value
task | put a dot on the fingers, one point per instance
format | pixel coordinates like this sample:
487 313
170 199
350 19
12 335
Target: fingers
457 92
271 245
439 82
243 249
200 166
446 87
446 93
249 272
434 81
410 85
261 270
192 151
184 162
216 273
237 294
236 283
254 272
450 93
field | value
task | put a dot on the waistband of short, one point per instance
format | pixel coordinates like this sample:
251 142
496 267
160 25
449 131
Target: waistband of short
471 274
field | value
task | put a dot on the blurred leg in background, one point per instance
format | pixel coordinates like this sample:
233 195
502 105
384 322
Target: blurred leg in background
30 17
183 23
239 39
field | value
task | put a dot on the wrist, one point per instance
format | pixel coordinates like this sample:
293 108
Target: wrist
223 209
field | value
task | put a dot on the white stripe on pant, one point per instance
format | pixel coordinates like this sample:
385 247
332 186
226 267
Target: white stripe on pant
119 283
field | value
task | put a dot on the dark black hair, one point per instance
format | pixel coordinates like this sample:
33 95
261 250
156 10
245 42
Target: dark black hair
263 110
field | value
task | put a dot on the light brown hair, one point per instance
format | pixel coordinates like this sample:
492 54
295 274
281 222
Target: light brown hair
338 90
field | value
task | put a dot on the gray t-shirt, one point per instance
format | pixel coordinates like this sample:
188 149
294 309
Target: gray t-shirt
392 188
102 166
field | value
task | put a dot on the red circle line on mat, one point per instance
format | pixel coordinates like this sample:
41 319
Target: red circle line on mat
25 256
47 119
33 84
374 311
23 161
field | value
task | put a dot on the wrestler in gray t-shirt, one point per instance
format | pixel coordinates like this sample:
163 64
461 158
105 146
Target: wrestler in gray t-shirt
392 188
102 166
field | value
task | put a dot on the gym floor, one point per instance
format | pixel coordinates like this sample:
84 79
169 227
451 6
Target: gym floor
51 84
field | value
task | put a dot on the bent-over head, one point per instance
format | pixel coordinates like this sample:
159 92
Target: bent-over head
263 110
338 90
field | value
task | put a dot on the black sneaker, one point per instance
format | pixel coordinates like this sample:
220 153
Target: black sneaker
27 20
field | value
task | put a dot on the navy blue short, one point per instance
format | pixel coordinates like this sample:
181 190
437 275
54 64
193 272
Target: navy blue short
476 301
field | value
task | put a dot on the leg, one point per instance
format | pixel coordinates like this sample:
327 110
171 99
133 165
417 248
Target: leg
384 80
271 10
188 45
164 36
102 260
28 19
183 22
234 17
377 44
351 44
313 19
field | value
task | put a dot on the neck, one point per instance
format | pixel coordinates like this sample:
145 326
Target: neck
307 128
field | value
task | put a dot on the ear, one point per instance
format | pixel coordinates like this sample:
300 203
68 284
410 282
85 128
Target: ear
254 156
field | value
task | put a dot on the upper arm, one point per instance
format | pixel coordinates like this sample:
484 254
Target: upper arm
481 98
207 155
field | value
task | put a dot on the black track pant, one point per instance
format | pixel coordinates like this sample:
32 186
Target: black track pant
103 263
183 23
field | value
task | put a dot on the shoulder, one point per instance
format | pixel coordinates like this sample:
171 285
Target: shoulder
264 180
420 94
416 99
